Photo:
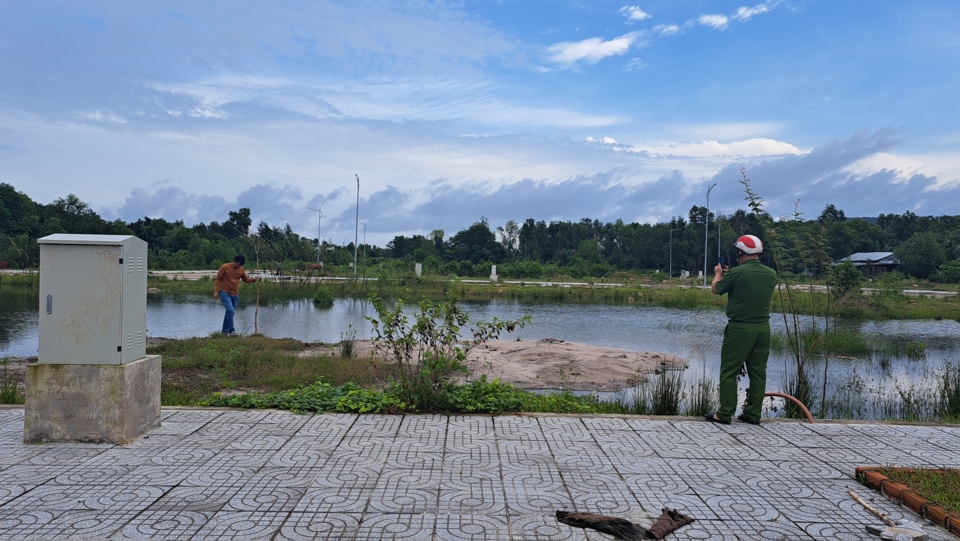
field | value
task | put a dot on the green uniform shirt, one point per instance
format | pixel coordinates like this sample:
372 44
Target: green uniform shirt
750 287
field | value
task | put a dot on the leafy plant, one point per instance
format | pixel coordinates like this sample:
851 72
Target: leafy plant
431 348
10 392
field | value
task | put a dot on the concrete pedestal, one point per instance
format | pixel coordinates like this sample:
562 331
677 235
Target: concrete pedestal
92 403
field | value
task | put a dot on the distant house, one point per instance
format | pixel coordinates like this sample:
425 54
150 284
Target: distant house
870 263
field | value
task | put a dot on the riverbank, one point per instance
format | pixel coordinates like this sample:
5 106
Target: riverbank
549 364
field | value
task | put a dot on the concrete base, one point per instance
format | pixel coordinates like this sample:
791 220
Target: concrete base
92 403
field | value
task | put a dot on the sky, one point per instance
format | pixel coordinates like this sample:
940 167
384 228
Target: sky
435 114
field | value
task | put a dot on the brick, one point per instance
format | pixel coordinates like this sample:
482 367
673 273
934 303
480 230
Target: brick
936 513
953 524
893 489
913 501
872 478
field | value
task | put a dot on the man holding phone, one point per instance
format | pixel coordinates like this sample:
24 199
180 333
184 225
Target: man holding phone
746 338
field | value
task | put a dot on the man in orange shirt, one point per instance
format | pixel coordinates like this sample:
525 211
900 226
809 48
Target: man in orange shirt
227 288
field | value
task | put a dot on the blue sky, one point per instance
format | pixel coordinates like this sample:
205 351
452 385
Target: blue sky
452 111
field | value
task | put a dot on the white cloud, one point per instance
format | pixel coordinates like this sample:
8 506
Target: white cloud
591 50
634 13
744 13
718 22
943 168
99 116
715 149
667 29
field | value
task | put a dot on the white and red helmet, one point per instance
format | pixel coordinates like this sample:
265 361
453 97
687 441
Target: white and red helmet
749 244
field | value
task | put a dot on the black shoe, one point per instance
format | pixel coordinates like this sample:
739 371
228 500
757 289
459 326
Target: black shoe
742 418
712 417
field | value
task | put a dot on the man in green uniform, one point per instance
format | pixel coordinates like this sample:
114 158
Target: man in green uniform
746 338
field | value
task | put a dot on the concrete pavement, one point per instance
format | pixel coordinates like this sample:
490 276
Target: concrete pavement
228 474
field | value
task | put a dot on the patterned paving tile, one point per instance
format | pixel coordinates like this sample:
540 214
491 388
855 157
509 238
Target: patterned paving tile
511 428
8 492
376 426
417 426
79 524
476 460
206 499
265 498
311 526
351 477
537 503
469 527
396 527
165 524
328 428
300 452
543 527
241 525
76 497
27 475
333 500
476 500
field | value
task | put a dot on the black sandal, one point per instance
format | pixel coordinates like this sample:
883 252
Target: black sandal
712 417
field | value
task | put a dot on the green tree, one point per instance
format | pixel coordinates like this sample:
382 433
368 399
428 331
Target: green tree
920 255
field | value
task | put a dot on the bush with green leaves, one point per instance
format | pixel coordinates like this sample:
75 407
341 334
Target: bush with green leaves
431 348
845 279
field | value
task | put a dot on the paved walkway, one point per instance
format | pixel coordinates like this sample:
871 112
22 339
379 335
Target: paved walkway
214 474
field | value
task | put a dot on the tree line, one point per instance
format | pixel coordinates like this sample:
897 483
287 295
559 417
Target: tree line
928 247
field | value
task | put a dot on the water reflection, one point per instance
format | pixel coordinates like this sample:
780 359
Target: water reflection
691 334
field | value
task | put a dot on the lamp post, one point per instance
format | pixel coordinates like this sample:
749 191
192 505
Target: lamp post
319 215
706 232
356 229
719 231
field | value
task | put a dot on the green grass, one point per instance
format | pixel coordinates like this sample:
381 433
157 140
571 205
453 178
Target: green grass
10 392
196 368
938 485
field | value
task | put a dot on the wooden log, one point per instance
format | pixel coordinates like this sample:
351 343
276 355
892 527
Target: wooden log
617 527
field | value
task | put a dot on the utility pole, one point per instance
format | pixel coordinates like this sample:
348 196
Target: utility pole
706 231
319 215
356 229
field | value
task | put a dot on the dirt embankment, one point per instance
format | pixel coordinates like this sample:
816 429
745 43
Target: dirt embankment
541 364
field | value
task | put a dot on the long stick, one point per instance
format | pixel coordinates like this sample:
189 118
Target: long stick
883 517
256 327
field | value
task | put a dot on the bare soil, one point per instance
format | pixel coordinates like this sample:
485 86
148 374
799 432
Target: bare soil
527 364
553 364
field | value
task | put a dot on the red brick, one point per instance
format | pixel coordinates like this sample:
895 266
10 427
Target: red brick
936 513
893 489
913 501
872 478
953 524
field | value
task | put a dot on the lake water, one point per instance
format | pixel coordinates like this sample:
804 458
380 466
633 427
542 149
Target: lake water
695 335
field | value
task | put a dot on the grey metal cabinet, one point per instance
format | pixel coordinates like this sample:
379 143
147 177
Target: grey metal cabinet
93 299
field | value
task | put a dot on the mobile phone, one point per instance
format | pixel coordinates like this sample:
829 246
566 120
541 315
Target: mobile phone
722 261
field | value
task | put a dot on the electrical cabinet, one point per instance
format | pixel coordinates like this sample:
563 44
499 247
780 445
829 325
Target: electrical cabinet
93 299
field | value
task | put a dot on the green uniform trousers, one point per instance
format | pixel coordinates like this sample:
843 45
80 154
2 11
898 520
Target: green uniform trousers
743 344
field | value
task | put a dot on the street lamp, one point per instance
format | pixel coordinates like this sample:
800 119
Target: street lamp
319 215
356 229
706 231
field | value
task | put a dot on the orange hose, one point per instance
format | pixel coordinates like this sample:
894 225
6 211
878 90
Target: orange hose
795 401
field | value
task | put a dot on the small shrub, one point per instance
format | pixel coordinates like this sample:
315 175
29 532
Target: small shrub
9 385
323 299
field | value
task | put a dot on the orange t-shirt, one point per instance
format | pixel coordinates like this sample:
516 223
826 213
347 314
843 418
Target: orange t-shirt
228 279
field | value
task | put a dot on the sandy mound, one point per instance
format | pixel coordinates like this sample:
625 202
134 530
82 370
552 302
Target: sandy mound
555 364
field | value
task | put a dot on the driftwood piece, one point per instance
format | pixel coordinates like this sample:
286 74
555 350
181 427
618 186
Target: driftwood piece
617 527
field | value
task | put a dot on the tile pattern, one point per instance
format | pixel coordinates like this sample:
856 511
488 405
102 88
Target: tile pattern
214 474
